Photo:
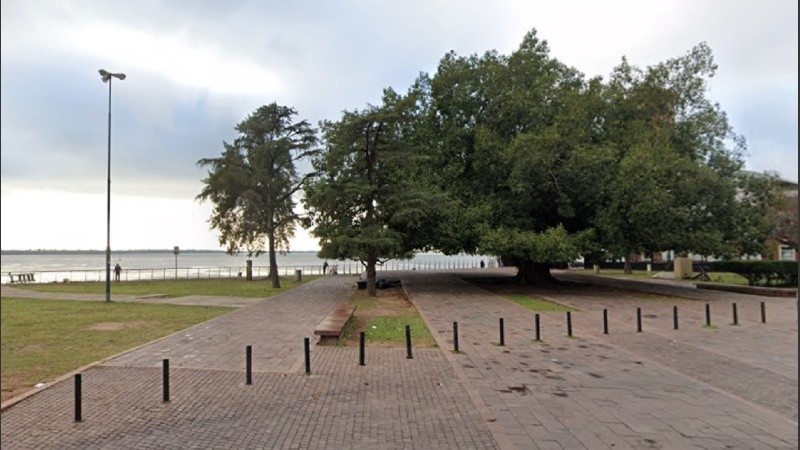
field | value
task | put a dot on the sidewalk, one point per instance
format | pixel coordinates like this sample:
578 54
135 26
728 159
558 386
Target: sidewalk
723 387
390 403
623 390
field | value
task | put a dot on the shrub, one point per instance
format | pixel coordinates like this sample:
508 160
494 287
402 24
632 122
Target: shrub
761 273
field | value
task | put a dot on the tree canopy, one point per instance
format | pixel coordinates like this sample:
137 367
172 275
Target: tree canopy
547 165
367 201
253 182
519 156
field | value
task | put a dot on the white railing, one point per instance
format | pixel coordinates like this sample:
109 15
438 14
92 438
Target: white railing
343 268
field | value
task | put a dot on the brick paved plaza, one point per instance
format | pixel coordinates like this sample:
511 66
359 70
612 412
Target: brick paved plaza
697 387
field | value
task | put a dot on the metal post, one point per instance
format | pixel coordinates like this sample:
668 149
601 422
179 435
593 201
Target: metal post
108 202
763 312
408 342
735 314
455 337
361 343
502 333
605 321
638 320
249 364
708 315
536 326
569 323
78 408
675 317
165 380
177 250
307 351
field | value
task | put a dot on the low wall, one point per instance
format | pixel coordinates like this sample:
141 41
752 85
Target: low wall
754 290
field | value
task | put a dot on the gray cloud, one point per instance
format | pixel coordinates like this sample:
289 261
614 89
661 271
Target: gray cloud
331 56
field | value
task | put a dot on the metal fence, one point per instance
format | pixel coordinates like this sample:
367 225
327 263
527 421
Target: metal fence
342 268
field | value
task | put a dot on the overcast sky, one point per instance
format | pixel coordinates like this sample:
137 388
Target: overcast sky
196 68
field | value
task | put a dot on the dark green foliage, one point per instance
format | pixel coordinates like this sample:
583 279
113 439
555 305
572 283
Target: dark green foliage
761 273
369 200
253 182
546 165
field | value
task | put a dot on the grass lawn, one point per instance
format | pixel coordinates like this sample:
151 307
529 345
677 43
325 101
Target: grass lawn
43 339
619 273
727 278
538 304
228 287
384 319
716 277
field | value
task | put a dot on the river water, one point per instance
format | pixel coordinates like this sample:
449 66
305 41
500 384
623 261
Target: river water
90 266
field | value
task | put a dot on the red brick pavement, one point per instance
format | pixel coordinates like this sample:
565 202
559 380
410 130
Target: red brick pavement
391 403
624 390
692 388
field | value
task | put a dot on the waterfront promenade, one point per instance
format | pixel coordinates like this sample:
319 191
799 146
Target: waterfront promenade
723 386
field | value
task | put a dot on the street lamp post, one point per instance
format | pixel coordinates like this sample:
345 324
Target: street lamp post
106 77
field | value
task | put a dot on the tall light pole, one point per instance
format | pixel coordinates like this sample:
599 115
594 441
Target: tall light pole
106 76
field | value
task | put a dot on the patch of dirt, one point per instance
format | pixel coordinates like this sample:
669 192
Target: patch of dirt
14 385
116 326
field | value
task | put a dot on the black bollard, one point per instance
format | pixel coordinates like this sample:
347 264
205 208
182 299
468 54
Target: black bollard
361 342
408 342
536 323
675 317
708 315
307 351
569 323
735 314
248 356
502 333
455 337
78 408
605 321
165 380
763 312
638 320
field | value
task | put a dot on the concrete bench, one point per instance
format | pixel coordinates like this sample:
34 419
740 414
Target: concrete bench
330 329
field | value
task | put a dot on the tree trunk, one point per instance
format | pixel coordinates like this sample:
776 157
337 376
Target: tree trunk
628 266
249 270
534 273
273 263
371 276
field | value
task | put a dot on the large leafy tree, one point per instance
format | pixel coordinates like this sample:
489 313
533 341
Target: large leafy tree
678 182
547 165
518 146
369 201
253 182
785 216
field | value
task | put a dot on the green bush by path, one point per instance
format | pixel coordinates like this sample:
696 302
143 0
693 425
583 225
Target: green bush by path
43 339
761 273
226 287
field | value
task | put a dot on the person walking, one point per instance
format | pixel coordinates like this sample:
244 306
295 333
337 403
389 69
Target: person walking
117 272
325 267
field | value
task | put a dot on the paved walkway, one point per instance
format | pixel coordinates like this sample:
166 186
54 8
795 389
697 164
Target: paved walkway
625 389
391 402
721 387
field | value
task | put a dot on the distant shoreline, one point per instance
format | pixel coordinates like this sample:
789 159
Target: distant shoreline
101 252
